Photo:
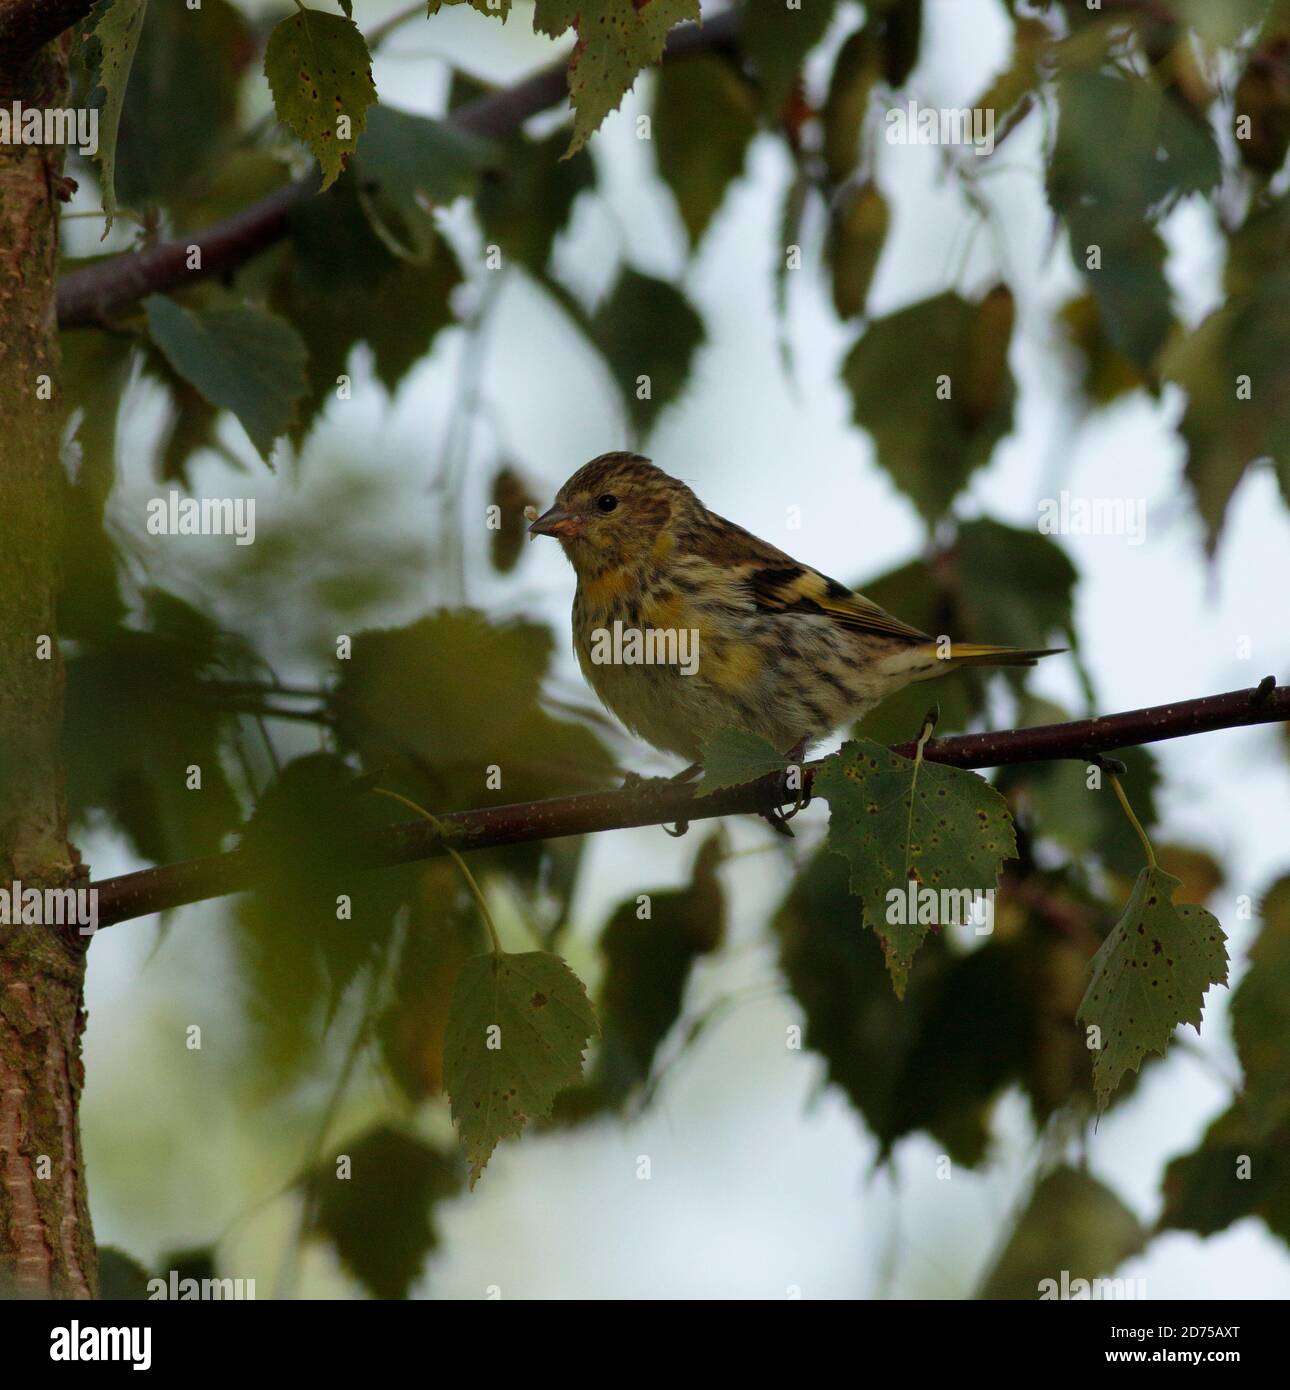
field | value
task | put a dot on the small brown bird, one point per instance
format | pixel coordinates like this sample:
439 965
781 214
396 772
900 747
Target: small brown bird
685 624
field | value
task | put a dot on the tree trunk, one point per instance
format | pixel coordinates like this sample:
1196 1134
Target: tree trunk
46 1240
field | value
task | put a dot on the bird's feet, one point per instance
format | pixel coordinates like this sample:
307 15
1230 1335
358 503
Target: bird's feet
792 784
633 780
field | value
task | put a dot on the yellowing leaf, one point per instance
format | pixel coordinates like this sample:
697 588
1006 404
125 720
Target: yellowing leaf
320 73
616 40
516 1033
1149 976
902 823
856 239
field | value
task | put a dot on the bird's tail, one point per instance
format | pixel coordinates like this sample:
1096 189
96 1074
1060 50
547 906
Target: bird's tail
974 654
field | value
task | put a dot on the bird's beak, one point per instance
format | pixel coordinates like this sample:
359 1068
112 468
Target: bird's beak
563 525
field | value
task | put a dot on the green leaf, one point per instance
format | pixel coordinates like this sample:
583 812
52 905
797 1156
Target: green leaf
1164 153
898 374
241 359
650 945
1011 95
1237 1171
412 164
699 172
901 822
1106 373
494 9
858 233
777 40
527 204
320 74
136 721
647 328
301 953
1226 426
114 27
1073 1229
181 104
516 1034
615 42
1015 585
924 1062
346 287
733 757
1149 976
1261 1015
855 72
379 1215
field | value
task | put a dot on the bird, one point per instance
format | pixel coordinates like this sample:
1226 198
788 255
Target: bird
685 624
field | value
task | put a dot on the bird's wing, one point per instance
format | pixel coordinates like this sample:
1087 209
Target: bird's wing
795 588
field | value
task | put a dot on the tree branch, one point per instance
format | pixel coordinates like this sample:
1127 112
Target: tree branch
659 803
92 294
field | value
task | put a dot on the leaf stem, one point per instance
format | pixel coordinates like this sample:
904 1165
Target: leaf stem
456 859
1133 821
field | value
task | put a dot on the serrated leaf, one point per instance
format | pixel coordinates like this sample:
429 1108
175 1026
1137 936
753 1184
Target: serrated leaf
319 71
733 757
614 44
517 1030
897 822
115 26
777 39
1149 976
897 375
241 359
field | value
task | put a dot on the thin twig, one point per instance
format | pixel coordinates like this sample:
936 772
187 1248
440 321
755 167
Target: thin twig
663 802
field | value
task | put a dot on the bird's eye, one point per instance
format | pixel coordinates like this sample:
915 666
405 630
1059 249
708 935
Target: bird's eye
606 502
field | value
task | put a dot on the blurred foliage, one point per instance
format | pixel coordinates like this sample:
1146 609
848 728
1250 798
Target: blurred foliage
450 706
1075 1228
378 1211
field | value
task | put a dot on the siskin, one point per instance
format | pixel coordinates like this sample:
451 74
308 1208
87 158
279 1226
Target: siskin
685 623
